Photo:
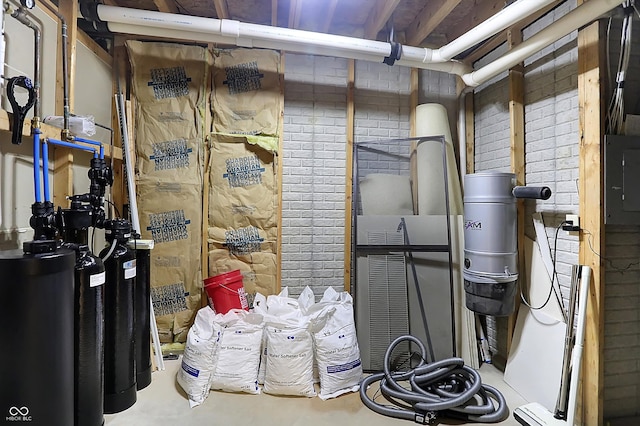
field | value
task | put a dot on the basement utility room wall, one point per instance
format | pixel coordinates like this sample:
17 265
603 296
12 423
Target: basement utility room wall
314 152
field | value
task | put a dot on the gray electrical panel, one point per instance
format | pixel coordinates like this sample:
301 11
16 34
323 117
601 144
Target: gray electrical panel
622 180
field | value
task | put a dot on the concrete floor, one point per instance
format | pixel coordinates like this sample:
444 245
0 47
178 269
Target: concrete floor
163 403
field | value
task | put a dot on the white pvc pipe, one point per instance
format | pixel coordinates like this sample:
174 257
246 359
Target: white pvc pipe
452 67
502 20
576 355
580 16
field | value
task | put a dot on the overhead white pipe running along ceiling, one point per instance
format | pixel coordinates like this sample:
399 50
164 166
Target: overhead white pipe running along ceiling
231 32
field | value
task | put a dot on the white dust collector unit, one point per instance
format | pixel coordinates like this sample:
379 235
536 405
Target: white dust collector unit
491 240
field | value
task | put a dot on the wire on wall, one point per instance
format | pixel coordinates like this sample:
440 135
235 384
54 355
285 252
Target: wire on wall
615 113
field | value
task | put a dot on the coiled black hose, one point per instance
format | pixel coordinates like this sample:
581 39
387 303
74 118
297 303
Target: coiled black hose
446 388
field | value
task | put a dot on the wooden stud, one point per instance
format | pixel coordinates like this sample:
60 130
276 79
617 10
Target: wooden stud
295 11
429 18
63 157
378 17
119 68
279 170
470 133
591 60
348 192
274 13
331 10
97 50
166 6
221 9
516 128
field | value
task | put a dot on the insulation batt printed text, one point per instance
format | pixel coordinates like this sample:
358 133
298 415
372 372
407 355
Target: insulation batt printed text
243 241
169 82
244 171
168 226
169 299
243 78
171 155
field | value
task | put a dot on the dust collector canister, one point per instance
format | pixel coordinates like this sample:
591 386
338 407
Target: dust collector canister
36 313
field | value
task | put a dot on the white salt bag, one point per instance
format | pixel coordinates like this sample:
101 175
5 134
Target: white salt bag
198 360
260 307
236 368
289 361
335 344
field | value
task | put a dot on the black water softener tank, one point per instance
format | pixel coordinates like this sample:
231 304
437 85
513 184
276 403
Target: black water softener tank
36 313
119 344
142 296
89 279
89 338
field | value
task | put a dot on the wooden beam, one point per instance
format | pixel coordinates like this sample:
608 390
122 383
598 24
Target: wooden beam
167 6
501 37
295 11
516 129
482 10
348 190
221 9
331 10
429 18
378 17
63 157
470 133
591 60
94 47
274 13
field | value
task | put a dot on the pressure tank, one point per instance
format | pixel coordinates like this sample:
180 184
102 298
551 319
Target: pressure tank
89 338
36 313
490 243
119 345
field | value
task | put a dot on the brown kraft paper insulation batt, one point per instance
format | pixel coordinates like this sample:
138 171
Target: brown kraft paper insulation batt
242 212
246 99
169 86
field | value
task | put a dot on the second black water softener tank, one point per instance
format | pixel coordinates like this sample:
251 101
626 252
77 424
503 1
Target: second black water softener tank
119 345
89 338
36 313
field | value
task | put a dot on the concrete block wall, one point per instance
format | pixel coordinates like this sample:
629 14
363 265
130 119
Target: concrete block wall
314 153
313 187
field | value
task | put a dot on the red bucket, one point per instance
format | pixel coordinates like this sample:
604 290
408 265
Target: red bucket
226 292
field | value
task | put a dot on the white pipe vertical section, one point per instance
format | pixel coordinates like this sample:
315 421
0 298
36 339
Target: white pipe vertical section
580 16
576 354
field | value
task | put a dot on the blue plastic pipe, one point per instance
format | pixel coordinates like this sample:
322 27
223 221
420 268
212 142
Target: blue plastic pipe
45 158
36 165
89 141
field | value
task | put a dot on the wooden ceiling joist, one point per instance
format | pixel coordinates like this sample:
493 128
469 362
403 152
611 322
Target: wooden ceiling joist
166 6
222 10
379 16
331 9
429 18
295 11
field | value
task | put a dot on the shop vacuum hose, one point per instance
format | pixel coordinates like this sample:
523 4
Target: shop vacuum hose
445 388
